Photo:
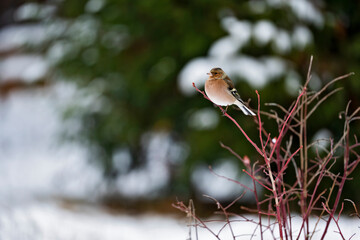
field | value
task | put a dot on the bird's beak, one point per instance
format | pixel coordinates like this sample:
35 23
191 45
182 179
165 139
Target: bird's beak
208 73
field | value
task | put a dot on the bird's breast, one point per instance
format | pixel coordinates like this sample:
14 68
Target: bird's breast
217 91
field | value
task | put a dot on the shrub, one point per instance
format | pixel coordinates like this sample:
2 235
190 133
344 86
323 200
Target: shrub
286 154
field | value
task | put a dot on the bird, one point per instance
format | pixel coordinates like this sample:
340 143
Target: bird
220 90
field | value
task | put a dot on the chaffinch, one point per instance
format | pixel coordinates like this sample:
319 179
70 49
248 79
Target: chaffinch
221 91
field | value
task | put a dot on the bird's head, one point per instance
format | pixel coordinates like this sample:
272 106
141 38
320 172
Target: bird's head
217 73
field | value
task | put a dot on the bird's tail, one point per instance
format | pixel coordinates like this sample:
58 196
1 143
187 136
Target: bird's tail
244 109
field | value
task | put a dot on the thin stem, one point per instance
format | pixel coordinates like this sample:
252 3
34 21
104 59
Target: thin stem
285 123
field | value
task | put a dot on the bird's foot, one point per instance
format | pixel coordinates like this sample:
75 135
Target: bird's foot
224 110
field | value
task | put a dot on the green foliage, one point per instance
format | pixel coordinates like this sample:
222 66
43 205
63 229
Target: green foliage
129 54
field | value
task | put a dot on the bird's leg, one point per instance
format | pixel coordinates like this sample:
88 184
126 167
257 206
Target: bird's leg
224 110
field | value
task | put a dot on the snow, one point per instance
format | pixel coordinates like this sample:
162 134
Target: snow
204 119
28 68
44 221
245 229
59 50
322 136
30 11
251 69
239 35
306 11
241 30
221 189
226 52
93 6
33 160
13 37
36 168
64 221
256 72
282 43
224 47
293 83
301 37
30 128
316 82
83 30
264 31
150 179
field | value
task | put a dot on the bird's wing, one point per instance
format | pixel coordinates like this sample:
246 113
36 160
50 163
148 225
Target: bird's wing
232 89
229 82
235 93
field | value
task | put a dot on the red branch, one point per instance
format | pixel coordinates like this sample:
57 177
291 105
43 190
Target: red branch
285 123
260 131
336 221
230 179
287 162
254 178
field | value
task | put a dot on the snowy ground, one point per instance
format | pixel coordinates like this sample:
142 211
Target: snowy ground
50 220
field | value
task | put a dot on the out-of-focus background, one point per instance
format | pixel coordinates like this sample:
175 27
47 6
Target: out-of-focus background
101 129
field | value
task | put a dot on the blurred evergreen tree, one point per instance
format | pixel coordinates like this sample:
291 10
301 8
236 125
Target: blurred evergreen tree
127 55
130 54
